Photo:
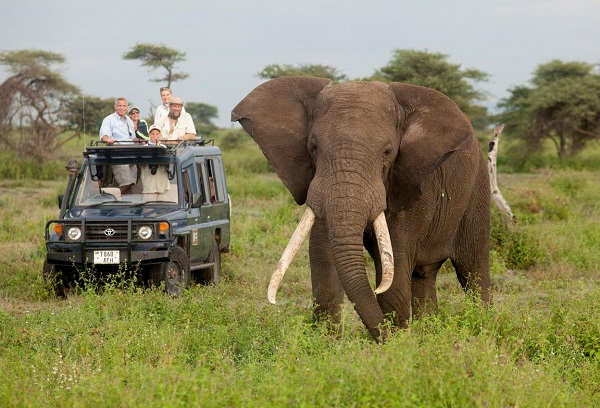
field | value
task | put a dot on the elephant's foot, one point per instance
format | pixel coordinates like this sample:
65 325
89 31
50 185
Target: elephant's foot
379 334
424 307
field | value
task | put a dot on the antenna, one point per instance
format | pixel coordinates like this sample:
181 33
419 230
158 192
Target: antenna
83 112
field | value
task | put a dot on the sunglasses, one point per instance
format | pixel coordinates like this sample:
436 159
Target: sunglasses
165 88
134 112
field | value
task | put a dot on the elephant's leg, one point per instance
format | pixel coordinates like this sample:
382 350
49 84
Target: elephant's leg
474 276
395 302
424 298
471 257
327 290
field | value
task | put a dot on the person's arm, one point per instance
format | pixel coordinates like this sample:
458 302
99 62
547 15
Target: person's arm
131 130
108 140
106 132
190 129
142 132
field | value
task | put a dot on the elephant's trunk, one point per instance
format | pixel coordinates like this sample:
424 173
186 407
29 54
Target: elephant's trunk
347 255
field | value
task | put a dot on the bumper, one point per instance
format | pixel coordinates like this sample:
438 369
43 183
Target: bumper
80 254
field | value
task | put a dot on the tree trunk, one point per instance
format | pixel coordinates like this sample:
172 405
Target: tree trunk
501 203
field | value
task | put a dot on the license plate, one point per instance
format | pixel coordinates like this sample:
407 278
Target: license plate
106 257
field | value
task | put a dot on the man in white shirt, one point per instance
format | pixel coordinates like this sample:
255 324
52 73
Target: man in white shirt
118 128
177 125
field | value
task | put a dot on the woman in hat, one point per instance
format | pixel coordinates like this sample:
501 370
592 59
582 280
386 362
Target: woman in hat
140 125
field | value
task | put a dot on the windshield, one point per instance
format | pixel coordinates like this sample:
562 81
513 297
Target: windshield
156 184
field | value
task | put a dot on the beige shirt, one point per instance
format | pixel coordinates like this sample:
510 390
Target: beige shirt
157 183
178 129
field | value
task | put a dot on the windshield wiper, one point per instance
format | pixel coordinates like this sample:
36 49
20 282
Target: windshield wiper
153 202
107 202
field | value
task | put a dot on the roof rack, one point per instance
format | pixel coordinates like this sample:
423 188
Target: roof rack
197 141
138 149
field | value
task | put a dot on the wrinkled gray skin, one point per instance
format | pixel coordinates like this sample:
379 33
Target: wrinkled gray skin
352 150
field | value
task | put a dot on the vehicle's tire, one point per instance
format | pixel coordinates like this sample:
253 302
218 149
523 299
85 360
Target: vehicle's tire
175 273
57 279
211 274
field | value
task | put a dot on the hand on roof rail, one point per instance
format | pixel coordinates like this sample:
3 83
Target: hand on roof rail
117 143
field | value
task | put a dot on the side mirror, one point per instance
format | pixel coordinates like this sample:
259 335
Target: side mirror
60 200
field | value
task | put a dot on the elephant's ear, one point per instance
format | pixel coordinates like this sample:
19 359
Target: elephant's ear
431 127
277 114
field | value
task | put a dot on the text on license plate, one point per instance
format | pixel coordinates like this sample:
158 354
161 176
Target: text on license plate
106 257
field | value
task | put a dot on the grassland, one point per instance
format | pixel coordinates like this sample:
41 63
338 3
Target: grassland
538 345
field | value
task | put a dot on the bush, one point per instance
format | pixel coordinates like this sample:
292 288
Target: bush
517 248
12 167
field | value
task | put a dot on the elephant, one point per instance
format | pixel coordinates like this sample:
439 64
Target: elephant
393 168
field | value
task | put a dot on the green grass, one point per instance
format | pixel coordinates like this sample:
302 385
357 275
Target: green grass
538 344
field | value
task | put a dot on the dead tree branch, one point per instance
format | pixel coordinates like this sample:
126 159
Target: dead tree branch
501 203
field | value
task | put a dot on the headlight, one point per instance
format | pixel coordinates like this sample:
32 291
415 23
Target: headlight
144 232
73 233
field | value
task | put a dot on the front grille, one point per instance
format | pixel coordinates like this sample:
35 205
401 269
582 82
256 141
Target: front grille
102 231
122 231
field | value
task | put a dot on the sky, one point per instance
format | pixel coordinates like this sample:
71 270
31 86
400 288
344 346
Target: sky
227 42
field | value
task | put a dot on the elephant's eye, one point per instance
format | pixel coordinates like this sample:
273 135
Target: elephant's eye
386 154
312 148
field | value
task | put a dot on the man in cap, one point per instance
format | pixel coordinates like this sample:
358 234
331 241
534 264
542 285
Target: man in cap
177 125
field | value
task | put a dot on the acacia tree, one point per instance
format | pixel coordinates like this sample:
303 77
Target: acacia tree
317 70
35 104
562 106
158 56
431 69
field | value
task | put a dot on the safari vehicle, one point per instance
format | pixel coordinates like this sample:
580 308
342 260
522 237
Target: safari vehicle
172 224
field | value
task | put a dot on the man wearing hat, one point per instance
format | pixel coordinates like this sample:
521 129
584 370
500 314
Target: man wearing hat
177 125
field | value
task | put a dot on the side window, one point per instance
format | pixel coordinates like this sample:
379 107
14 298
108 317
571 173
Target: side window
187 186
202 185
215 180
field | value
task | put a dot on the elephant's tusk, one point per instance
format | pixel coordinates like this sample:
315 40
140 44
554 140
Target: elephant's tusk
302 230
386 253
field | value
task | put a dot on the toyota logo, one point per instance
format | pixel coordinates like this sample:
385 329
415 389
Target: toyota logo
109 232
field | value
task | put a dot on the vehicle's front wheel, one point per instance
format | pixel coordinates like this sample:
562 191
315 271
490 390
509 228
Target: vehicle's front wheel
57 279
211 274
175 273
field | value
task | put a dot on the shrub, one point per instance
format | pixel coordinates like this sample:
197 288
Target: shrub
517 248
